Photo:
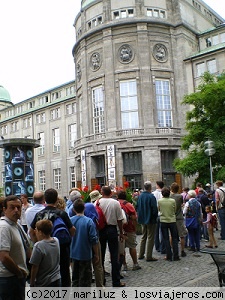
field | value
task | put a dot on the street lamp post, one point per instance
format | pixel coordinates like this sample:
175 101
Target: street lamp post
210 151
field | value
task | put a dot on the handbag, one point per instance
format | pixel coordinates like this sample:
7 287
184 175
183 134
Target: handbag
191 223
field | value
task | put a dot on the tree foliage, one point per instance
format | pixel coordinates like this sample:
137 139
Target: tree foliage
204 121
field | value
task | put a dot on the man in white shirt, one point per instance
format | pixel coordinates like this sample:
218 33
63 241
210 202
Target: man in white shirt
159 245
30 213
113 214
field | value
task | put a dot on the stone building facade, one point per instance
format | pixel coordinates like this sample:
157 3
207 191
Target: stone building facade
131 76
121 119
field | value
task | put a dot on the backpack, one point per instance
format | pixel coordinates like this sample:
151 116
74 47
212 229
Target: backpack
101 222
60 231
124 210
214 220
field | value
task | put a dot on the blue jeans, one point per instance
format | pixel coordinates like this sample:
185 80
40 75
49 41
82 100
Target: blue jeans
194 238
109 235
172 227
159 243
221 213
12 288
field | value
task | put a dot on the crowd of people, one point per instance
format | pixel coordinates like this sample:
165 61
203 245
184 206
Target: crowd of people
172 222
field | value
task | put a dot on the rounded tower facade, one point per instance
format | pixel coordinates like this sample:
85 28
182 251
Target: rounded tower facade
130 82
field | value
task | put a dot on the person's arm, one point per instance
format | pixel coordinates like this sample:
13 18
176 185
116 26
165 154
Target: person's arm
186 208
72 231
217 197
32 235
120 226
34 271
95 259
10 265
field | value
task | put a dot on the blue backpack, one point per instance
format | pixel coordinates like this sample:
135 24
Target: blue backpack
60 231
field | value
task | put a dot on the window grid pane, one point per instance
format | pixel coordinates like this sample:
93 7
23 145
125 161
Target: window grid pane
41 176
57 178
163 101
56 140
98 110
129 104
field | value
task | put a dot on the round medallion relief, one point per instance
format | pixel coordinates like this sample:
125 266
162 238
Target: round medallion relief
125 54
160 53
95 61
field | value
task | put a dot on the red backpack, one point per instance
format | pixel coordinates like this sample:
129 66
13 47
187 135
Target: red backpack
101 222
214 220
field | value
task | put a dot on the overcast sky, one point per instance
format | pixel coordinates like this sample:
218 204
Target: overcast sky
37 38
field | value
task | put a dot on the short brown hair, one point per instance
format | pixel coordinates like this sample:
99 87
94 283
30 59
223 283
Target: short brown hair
44 226
219 182
174 187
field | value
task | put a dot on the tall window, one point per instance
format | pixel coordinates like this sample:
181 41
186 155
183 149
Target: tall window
41 177
56 140
57 178
200 69
211 66
163 100
72 177
72 135
98 110
55 113
40 118
71 108
41 138
129 104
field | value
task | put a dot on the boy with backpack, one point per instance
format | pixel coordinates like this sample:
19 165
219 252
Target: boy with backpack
84 241
61 218
45 270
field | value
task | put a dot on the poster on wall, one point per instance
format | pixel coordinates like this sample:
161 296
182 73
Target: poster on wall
83 168
19 170
111 165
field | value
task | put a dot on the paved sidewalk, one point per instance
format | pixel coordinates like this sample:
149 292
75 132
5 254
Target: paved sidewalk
195 270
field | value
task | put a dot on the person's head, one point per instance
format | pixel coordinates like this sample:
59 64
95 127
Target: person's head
95 195
208 208
199 185
51 196
38 197
122 195
185 189
78 206
61 204
74 195
106 191
1 206
159 184
201 191
74 189
148 186
24 198
191 194
165 192
12 208
174 188
43 229
219 183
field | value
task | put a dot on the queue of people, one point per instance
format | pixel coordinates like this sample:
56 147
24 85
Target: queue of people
171 221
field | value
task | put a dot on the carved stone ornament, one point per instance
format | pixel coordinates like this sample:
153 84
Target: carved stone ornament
160 53
126 54
79 73
95 61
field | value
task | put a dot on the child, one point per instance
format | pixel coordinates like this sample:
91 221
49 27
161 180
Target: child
208 222
45 257
83 242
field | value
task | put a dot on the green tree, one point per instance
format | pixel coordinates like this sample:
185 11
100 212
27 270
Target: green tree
205 121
